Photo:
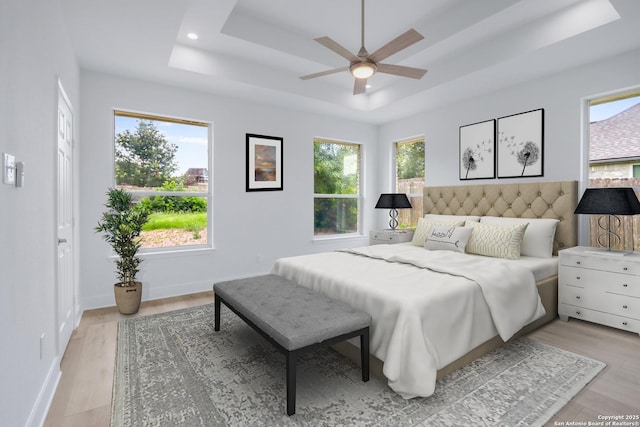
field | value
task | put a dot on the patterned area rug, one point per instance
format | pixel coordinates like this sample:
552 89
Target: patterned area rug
172 369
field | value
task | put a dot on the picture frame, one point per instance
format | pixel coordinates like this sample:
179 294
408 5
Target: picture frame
477 151
264 163
521 145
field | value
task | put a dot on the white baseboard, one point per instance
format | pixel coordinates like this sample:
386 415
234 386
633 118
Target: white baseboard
149 293
45 397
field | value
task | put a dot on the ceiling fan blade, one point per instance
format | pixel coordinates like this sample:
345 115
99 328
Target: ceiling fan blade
402 41
360 86
324 73
401 70
337 48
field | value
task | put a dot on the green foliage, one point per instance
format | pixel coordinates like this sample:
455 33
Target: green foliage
144 158
336 171
121 225
173 203
410 160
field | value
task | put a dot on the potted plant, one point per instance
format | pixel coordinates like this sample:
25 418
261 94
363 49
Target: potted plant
121 225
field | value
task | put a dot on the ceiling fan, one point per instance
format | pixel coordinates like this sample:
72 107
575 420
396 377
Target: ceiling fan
364 65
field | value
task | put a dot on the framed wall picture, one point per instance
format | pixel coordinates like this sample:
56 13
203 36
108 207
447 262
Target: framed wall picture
264 163
477 150
521 144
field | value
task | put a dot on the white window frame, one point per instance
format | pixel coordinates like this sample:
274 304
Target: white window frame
357 196
208 195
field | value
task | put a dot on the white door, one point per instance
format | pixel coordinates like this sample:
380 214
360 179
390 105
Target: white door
65 280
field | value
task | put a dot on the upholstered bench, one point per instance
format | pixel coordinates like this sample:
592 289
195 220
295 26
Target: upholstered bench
294 319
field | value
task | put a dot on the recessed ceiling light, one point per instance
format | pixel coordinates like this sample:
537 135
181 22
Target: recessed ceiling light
368 86
192 36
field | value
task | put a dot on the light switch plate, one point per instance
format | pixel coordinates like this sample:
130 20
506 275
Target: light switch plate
8 169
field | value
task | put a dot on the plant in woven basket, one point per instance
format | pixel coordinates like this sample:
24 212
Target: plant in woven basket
121 225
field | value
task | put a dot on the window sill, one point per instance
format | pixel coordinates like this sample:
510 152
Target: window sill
172 253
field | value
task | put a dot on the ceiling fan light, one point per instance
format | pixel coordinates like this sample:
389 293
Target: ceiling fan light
363 70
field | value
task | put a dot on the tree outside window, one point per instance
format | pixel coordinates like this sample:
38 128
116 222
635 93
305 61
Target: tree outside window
410 179
336 187
164 163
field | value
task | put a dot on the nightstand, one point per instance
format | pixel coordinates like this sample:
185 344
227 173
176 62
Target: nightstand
377 237
600 288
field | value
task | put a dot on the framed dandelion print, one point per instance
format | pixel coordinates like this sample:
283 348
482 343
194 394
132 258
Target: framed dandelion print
521 144
477 150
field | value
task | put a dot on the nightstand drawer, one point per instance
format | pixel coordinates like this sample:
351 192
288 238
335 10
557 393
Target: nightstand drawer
601 262
624 284
627 324
621 305
607 302
390 236
575 295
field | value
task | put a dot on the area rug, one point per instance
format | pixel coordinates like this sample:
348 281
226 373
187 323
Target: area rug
173 369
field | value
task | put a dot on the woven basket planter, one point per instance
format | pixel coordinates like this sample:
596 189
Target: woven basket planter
128 297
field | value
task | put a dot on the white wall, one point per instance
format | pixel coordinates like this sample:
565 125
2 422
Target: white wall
35 50
272 224
561 95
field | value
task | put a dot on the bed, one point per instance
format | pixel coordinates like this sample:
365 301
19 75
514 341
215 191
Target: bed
434 310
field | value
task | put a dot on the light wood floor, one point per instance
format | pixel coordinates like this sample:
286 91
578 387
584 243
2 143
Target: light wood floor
83 397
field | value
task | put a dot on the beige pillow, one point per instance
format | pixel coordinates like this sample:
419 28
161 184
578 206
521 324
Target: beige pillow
422 229
537 240
496 240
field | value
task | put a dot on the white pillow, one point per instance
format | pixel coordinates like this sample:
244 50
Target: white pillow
537 240
451 218
496 240
447 238
422 229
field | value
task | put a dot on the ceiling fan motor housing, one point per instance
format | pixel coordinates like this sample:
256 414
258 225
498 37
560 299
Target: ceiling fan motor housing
363 69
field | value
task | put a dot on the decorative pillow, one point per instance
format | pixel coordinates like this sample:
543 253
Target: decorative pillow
496 240
451 218
422 229
537 240
447 238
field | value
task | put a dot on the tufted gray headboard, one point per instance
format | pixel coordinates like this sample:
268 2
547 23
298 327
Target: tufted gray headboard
517 200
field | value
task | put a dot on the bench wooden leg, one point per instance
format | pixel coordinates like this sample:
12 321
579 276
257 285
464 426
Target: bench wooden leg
291 381
364 355
216 325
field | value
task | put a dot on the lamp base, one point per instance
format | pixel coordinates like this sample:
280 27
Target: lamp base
393 222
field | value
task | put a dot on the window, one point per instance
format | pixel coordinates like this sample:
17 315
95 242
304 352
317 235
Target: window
164 163
614 150
336 177
410 179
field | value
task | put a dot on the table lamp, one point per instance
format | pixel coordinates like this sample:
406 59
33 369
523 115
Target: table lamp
609 201
393 202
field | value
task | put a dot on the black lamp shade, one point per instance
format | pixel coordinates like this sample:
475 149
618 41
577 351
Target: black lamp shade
609 201
393 201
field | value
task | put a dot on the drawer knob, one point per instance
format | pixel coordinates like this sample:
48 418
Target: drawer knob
578 312
578 262
625 268
625 285
577 277
577 296
624 323
624 306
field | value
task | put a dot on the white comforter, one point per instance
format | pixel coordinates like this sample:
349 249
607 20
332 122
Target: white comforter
422 319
